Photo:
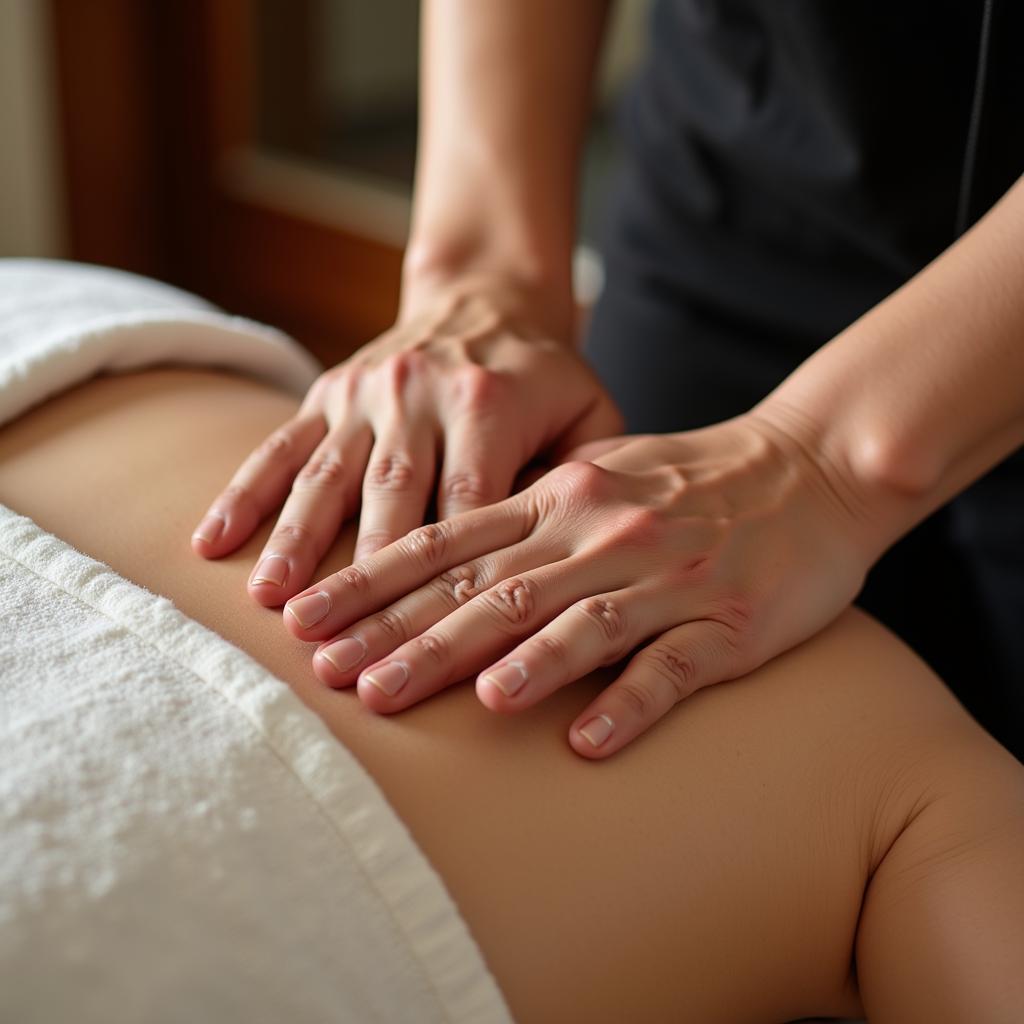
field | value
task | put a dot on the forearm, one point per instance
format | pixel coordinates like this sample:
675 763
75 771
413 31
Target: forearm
505 98
925 392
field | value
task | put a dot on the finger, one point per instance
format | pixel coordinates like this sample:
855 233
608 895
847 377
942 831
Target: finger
598 630
601 420
258 487
351 594
397 486
681 661
478 468
324 494
338 661
476 633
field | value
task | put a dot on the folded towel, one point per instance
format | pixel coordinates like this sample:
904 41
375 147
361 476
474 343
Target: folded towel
181 839
61 323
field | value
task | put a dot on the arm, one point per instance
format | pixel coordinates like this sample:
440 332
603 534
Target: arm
477 376
505 99
749 536
925 392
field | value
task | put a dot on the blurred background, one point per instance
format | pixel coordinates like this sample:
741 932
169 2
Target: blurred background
258 152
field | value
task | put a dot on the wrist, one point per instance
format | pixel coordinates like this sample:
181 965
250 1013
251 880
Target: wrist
856 466
529 290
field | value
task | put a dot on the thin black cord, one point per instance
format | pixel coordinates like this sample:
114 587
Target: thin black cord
971 149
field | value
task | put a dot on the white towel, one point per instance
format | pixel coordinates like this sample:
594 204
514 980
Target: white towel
61 323
181 839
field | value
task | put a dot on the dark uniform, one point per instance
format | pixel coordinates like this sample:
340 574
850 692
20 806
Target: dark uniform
789 164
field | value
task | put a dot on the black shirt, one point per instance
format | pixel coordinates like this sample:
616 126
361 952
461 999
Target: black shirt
793 161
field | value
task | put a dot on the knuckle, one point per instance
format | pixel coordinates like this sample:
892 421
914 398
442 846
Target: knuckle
586 476
607 615
353 579
317 395
393 624
316 391
322 472
354 370
476 387
349 384
427 543
469 485
638 698
435 647
581 481
513 601
459 585
391 472
675 667
417 355
237 494
552 647
397 367
275 448
292 533
340 382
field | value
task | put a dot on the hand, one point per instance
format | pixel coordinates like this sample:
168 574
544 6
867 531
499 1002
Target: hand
467 382
711 550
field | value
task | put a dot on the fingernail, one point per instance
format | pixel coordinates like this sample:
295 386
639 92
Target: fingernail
309 610
210 528
597 730
510 678
389 678
345 654
273 569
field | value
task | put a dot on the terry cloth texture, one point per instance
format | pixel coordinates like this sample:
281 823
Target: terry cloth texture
61 323
180 837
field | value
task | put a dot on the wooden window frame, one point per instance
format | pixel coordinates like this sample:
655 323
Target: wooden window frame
164 175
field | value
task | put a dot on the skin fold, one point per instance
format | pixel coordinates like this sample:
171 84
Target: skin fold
836 803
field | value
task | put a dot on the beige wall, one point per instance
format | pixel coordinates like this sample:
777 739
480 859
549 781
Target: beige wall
30 215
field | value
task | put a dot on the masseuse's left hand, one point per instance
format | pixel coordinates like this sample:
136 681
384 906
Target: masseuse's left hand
705 553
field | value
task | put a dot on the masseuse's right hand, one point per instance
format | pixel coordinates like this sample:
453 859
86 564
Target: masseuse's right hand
459 395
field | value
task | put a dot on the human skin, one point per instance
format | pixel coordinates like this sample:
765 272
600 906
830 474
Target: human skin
587 564
893 417
503 114
835 802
